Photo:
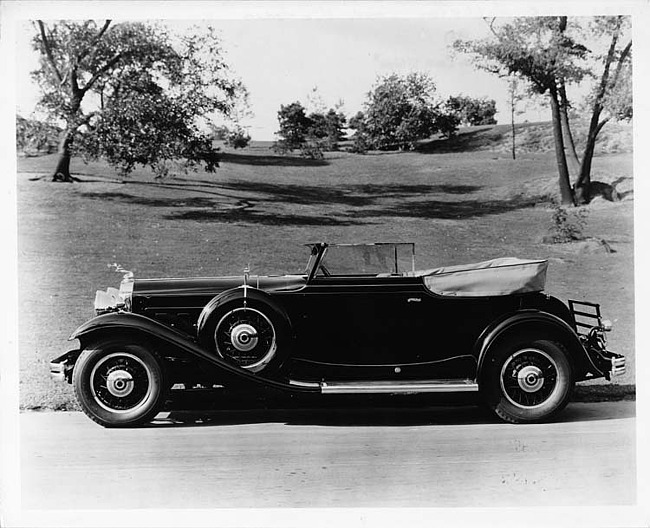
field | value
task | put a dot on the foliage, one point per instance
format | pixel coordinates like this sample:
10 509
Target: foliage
148 91
615 90
238 138
327 127
235 138
360 140
311 134
401 110
146 126
33 135
534 48
471 111
567 226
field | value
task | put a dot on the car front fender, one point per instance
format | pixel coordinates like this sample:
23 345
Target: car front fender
535 321
122 322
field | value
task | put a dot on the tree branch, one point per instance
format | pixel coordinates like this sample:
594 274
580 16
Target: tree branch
621 60
604 80
491 25
48 52
93 44
601 125
112 62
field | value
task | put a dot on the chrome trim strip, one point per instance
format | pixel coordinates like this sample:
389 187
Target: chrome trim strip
398 387
309 384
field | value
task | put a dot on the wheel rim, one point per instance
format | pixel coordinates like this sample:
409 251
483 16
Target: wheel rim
247 337
121 382
529 378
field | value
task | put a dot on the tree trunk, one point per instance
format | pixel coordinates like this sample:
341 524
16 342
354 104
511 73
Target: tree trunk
512 122
584 178
595 125
62 171
566 194
569 145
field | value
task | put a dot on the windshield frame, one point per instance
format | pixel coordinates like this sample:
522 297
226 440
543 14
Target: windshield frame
319 252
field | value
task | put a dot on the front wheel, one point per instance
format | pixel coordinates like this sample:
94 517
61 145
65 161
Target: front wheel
528 381
119 384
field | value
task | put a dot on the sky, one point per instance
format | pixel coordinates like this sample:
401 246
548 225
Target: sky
284 60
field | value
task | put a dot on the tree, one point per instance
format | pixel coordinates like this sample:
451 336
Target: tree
471 111
547 55
538 50
328 128
612 95
515 96
131 93
311 134
401 110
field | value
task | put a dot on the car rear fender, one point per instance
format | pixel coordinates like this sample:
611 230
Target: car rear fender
140 326
537 324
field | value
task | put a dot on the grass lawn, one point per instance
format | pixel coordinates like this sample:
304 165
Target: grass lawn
259 209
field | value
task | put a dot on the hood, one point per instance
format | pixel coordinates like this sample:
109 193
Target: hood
215 285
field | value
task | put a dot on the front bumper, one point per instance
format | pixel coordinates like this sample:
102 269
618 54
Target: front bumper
61 367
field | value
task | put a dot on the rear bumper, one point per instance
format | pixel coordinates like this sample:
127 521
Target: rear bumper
61 367
618 365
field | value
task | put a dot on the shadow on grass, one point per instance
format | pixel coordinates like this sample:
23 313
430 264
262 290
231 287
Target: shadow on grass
459 210
151 202
246 215
351 195
269 160
359 200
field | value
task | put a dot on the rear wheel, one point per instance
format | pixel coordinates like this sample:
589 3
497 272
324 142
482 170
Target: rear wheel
528 381
119 384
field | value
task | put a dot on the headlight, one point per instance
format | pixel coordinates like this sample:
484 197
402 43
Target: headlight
113 300
126 291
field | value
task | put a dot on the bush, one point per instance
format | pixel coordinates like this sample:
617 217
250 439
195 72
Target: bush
36 136
567 225
312 150
238 139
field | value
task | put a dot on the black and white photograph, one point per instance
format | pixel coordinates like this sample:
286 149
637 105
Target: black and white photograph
313 263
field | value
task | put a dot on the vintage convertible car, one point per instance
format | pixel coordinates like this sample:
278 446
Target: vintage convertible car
360 320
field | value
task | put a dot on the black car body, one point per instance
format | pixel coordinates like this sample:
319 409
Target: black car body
360 320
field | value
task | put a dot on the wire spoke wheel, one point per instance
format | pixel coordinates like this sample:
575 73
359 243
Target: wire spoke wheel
528 380
121 382
529 377
246 337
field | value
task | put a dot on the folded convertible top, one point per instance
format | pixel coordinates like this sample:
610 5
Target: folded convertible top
502 276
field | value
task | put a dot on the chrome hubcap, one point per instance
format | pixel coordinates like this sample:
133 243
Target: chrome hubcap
243 337
247 337
530 378
119 383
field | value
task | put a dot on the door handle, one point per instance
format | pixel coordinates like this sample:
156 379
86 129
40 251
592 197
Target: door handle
414 299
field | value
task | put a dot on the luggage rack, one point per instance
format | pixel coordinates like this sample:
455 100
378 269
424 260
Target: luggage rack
584 320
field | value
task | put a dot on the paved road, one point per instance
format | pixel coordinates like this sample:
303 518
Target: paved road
387 458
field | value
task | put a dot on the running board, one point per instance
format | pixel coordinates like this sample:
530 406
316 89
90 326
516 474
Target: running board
398 387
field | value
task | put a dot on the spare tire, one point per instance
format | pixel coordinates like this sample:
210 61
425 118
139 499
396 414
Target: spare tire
249 330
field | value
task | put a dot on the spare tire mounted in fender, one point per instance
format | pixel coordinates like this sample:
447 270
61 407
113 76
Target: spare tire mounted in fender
245 326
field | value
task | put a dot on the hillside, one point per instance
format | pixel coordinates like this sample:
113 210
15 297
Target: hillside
529 138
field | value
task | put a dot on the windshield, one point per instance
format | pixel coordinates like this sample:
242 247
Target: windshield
366 259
